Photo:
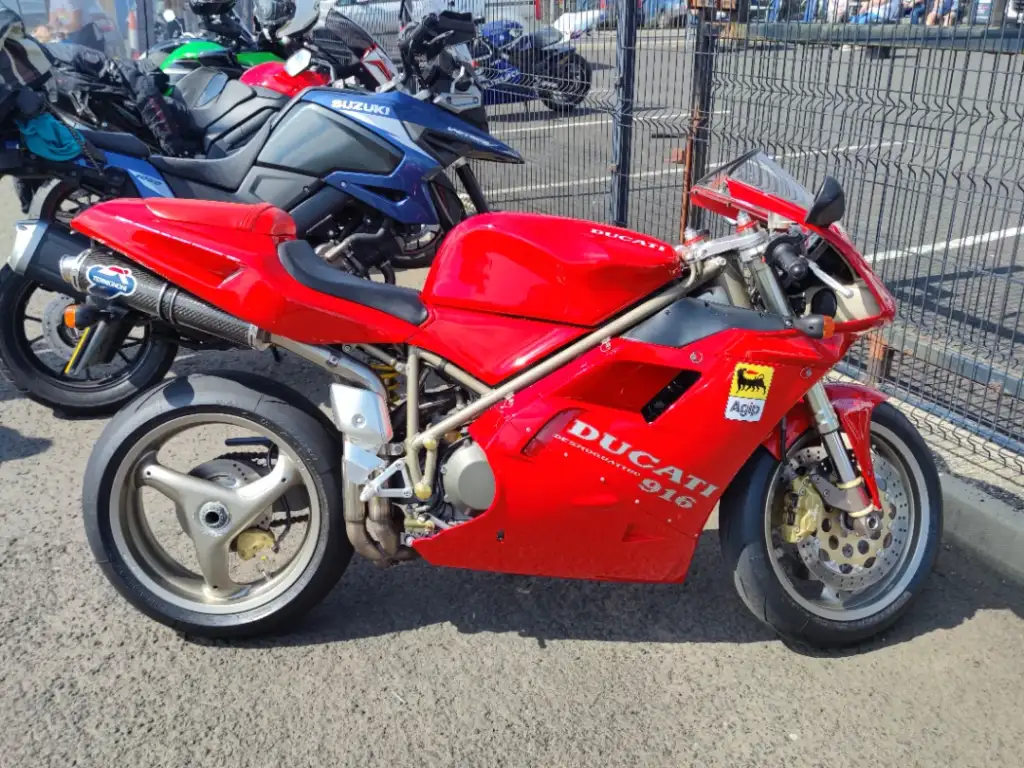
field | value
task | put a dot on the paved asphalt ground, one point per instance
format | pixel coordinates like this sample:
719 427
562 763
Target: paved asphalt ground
417 666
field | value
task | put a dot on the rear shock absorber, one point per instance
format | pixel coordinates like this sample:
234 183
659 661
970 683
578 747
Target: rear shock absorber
389 376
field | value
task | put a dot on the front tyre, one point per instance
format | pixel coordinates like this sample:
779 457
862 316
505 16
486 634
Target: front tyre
228 545
829 587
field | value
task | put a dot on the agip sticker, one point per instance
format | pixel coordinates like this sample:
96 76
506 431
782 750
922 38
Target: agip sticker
748 392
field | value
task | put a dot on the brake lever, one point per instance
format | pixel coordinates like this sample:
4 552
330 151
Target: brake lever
831 282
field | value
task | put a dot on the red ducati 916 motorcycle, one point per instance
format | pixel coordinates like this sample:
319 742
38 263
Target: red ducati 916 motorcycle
562 398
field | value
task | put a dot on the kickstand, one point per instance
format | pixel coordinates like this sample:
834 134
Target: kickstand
278 357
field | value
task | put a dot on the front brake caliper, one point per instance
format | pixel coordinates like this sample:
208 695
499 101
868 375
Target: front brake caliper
802 511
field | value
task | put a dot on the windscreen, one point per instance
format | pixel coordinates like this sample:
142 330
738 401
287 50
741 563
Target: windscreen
757 170
347 32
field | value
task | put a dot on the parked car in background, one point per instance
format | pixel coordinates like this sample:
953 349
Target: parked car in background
666 14
36 16
380 17
997 12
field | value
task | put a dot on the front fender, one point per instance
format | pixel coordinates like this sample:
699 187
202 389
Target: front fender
854 404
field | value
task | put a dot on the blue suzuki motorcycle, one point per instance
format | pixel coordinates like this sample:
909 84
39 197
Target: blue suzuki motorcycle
362 173
522 66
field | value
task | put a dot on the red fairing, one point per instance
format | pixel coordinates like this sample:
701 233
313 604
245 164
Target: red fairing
854 404
272 75
492 347
547 268
759 204
588 487
226 253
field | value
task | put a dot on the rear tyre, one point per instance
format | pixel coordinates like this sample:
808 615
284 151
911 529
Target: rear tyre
35 347
807 592
574 75
36 368
140 553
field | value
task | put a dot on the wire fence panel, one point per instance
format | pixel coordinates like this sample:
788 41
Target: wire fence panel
567 148
664 64
922 125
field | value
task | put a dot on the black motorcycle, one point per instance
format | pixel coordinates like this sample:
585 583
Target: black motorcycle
116 95
523 66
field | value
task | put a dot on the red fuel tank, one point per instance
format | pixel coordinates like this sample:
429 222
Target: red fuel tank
547 268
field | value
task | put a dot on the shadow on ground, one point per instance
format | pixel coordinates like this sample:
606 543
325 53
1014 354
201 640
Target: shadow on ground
14 445
369 603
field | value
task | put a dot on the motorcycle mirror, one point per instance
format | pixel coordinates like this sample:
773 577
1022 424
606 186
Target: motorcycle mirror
169 15
298 62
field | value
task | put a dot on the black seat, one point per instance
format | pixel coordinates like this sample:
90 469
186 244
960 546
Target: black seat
222 112
223 172
122 143
209 93
301 262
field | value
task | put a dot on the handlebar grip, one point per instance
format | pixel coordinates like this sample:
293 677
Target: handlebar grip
790 262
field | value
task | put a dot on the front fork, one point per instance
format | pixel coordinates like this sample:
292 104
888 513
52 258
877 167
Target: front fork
856 500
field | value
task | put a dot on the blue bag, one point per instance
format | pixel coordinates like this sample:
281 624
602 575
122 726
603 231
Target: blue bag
46 137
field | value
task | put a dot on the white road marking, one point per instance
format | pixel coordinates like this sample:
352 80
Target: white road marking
952 245
853 148
670 171
598 121
578 182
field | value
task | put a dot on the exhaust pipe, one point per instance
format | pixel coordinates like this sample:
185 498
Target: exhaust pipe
39 247
98 270
380 527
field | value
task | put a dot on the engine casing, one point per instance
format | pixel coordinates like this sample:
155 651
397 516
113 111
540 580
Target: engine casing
468 478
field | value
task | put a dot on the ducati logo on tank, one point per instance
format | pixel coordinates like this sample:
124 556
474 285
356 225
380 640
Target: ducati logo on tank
671 483
637 241
748 392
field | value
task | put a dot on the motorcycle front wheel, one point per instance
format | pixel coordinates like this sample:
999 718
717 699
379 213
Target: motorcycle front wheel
829 587
36 344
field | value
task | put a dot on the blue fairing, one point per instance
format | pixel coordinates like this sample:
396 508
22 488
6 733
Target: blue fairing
500 33
148 180
387 115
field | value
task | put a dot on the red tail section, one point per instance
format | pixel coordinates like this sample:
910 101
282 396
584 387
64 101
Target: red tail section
226 254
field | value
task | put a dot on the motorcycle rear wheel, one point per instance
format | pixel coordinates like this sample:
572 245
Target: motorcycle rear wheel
575 74
808 592
33 360
171 543
37 372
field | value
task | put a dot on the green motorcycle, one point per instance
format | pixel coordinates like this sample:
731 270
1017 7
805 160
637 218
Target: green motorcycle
222 43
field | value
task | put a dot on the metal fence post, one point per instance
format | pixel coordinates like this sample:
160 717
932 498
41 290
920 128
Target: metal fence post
622 130
145 23
696 162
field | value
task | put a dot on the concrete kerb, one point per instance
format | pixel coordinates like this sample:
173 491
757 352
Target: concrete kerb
988 528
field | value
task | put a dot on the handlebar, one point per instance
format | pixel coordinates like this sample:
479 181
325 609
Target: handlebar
790 261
